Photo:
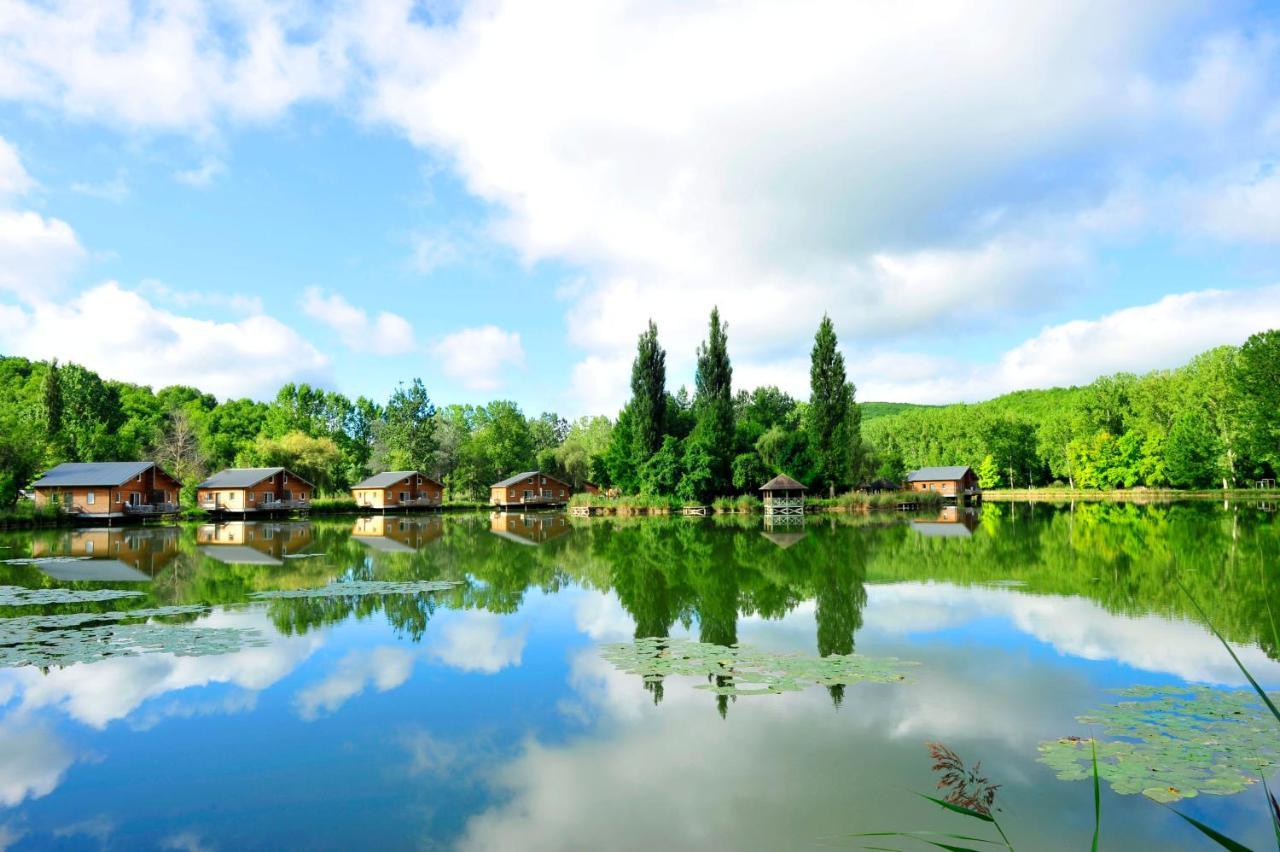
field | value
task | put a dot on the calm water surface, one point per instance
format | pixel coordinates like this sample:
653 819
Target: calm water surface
484 716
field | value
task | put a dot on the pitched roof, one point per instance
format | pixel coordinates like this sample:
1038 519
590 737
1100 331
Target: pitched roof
782 482
512 480
77 474
390 477
244 477
929 474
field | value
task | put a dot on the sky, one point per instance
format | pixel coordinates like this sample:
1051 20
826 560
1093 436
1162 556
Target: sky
497 196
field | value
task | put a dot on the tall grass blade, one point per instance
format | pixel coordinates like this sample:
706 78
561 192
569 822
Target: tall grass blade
1258 689
1097 796
1214 835
1274 807
960 809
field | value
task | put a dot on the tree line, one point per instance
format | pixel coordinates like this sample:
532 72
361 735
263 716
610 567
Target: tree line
1210 423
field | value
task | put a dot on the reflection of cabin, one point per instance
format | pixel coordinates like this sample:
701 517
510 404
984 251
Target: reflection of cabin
532 488
254 490
528 529
783 496
952 522
957 483
783 530
108 490
250 543
397 535
128 555
398 489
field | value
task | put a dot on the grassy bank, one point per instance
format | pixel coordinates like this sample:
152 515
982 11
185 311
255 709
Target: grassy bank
25 515
748 504
1127 495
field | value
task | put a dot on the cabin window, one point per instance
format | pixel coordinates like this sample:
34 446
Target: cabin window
251 496
546 492
89 498
528 494
404 496
88 546
561 492
544 480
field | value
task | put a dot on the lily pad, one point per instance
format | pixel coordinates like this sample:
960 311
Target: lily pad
737 670
18 596
65 639
360 588
1174 743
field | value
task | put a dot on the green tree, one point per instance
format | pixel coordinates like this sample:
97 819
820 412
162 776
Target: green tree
53 403
1257 382
698 478
407 438
713 406
833 419
1192 451
988 472
314 459
660 474
648 395
749 472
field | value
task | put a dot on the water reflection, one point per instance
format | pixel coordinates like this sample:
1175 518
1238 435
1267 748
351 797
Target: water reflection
951 522
116 554
483 716
253 543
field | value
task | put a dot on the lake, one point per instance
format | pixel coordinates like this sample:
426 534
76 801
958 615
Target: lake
474 682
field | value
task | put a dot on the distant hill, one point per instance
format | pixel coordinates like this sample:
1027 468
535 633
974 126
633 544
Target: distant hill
872 410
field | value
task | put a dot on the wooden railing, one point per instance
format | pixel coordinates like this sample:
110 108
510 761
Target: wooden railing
150 508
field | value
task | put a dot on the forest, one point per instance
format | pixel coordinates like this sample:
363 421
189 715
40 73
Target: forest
1210 423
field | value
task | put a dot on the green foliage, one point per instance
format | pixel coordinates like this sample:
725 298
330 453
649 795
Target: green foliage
648 395
833 420
662 472
1191 451
698 472
406 437
314 459
713 436
749 472
988 473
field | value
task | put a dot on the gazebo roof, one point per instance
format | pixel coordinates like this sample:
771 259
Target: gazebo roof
782 482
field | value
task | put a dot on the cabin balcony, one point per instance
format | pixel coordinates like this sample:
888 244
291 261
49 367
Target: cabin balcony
784 505
148 509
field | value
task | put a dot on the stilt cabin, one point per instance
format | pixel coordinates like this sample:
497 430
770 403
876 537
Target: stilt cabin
398 489
107 491
254 491
531 489
957 483
783 496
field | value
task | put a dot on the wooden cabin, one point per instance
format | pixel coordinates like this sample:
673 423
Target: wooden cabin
590 488
958 482
105 491
531 489
254 490
398 489
783 496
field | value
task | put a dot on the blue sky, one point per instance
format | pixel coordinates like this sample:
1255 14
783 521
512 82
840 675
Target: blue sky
496 199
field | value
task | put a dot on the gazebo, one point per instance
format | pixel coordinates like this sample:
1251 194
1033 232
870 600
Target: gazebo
783 496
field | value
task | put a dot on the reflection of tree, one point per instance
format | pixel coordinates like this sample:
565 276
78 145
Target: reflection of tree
839 597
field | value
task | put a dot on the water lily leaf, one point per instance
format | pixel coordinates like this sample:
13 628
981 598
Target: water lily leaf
1174 743
18 596
360 588
741 671
66 639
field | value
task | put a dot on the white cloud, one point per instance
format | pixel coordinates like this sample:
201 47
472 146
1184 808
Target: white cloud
14 180
1243 212
385 334
209 170
1160 335
165 66
37 254
123 336
35 760
382 668
473 641
480 357
116 189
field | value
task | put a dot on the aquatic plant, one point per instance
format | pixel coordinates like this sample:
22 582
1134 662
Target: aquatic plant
737 670
966 786
1175 743
63 640
18 596
360 588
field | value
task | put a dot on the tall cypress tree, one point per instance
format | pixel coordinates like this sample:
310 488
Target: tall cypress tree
713 402
648 396
53 401
834 421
